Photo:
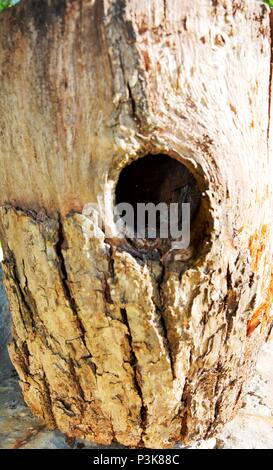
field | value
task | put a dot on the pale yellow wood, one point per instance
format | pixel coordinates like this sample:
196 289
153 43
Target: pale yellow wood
107 346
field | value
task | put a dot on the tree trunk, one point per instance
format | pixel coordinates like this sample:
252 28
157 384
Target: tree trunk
112 342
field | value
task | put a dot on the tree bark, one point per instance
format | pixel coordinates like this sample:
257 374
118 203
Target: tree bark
108 346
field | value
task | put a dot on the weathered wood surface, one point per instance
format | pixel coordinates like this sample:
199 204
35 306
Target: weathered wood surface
109 347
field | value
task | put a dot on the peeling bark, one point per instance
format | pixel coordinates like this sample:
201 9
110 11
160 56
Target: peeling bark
110 346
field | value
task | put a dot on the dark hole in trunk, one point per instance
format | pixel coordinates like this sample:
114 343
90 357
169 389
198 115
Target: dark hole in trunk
158 179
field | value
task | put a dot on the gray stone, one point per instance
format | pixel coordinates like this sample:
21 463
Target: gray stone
5 318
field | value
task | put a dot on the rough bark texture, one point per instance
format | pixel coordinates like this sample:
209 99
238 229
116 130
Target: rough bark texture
109 346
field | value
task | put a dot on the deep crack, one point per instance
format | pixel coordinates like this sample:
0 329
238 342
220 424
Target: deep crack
137 375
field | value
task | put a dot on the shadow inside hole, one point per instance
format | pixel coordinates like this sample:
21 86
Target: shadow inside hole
158 178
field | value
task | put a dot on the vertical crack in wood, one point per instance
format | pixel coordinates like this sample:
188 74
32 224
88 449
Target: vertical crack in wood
165 10
125 63
133 103
136 370
48 399
162 320
17 290
66 288
137 376
63 275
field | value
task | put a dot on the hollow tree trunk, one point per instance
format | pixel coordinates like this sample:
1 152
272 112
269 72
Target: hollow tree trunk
109 345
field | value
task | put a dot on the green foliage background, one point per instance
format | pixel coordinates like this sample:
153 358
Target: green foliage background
7 3
269 2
